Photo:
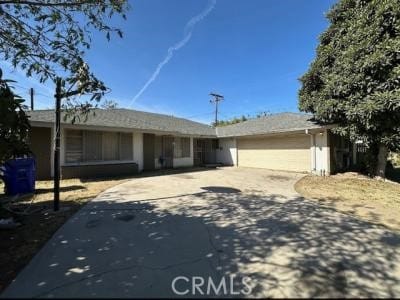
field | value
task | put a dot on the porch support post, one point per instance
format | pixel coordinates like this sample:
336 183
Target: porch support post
312 152
327 153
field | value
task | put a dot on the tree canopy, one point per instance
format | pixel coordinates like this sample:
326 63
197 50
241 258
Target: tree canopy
49 38
231 121
354 80
109 104
243 118
14 125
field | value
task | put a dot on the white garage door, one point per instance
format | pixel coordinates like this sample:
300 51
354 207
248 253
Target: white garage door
290 153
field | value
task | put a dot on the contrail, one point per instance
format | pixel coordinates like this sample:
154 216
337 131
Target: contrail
187 34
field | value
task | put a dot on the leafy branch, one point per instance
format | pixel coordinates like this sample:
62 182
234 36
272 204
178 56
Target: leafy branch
49 38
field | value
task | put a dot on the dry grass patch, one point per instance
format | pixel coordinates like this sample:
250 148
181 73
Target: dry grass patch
20 244
373 200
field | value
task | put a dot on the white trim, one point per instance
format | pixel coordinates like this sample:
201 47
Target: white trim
138 149
227 152
313 154
327 153
320 153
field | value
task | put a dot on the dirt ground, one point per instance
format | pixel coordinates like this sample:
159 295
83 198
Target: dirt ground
18 245
39 222
370 199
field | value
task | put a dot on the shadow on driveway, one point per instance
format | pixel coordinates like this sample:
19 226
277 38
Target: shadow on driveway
288 247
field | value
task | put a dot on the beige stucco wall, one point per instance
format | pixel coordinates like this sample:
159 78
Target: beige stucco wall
40 144
280 152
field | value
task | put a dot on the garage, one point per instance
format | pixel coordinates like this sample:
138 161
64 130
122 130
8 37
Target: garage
284 152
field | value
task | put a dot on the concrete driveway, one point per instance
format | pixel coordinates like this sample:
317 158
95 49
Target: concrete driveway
232 231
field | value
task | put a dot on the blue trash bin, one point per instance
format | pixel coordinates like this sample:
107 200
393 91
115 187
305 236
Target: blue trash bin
19 176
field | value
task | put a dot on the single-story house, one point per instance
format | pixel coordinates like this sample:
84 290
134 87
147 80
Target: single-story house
121 142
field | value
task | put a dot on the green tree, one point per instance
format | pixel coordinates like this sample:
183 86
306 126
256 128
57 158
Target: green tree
14 125
234 120
49 39
109 104
263 114
354 80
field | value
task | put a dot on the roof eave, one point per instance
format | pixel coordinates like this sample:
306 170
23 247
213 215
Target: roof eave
273 132
115 128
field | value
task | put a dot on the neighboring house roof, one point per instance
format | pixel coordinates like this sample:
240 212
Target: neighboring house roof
133 119
282 122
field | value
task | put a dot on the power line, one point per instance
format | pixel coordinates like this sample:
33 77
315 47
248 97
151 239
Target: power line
200 115
44 95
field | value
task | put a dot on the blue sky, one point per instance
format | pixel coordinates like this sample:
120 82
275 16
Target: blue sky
252 52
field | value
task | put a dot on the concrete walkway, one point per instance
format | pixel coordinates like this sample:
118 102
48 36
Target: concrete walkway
240 229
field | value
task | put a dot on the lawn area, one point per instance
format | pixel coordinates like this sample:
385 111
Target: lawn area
373 200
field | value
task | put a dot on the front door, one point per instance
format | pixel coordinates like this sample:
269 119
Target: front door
198 149
168 151
148 152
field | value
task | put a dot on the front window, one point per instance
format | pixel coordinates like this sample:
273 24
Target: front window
96 146
181 147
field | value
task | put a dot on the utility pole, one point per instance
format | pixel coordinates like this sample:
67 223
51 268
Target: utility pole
57 146
31 92
217 98
57 138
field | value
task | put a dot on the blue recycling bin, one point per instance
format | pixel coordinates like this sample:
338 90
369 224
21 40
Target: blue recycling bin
19 176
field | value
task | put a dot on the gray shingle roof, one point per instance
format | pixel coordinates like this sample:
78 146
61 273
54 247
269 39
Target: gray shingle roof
283 122
133 119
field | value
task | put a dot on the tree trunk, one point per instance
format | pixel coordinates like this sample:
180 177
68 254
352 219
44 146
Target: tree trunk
382 161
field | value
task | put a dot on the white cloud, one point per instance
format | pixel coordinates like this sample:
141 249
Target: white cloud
187 34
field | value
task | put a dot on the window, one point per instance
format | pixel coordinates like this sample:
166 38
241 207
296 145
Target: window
182 147
126 146
93 143
74 146
92 146
177 148
111 146
185 143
